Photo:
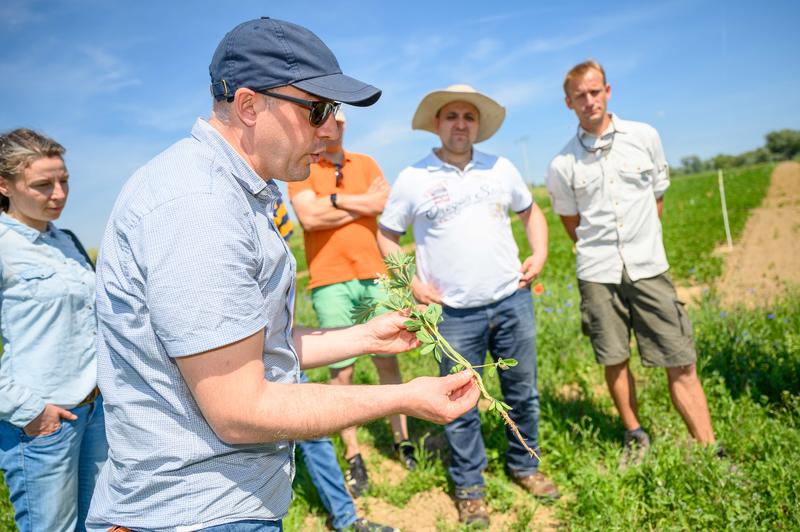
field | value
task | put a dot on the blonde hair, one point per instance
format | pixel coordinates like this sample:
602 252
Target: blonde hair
582 68
19 149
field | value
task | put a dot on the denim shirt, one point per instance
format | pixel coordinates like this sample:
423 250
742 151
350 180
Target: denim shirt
47 320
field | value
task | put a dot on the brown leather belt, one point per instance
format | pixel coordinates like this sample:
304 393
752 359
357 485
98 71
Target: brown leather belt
94 394
119 529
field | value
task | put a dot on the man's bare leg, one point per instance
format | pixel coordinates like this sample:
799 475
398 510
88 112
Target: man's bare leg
690 401
619 379
344 377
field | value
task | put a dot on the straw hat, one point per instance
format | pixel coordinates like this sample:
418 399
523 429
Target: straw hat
492 113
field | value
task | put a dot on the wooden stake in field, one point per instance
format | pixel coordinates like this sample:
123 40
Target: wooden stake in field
724 209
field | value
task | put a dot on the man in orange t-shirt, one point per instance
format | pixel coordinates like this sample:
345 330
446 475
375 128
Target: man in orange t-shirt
338 207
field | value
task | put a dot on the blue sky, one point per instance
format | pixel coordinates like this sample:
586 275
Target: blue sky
117 82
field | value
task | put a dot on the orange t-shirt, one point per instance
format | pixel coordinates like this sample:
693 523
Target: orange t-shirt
349 251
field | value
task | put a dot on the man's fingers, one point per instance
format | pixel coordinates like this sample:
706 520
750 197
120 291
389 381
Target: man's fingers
458 393
457 380
66 414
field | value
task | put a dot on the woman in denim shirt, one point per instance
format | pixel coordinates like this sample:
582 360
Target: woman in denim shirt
52 438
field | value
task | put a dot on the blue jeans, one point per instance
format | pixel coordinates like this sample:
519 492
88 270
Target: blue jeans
507 329
51 478
323 468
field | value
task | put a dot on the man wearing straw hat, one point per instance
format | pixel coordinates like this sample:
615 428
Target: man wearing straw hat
608 186
458 199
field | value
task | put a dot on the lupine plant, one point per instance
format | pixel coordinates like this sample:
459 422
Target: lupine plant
399 297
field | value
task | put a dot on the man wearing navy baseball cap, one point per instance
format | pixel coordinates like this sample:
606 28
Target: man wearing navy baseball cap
197 358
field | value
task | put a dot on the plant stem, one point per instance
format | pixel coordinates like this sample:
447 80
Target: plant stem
458 358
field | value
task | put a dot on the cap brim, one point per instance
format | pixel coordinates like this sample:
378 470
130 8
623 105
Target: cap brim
341 88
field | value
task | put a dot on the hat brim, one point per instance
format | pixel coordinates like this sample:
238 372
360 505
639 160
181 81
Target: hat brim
341 88
492 114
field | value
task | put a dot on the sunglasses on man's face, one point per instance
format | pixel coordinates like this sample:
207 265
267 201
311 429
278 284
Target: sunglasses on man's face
319 110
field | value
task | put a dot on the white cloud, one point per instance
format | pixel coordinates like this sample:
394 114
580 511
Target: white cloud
86 71
388 133
17 13
482 49
517 93
108 72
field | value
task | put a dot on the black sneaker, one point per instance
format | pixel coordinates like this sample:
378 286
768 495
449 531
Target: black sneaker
635 447
362 525
405 452
356 476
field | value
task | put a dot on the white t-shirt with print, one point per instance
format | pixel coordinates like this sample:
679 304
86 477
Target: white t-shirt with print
462 228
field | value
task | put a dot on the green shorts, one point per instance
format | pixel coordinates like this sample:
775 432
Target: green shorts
334 303
648 306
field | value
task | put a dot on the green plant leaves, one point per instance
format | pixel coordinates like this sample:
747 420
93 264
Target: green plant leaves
424 337
457 368
505 363
363 311
433 314
412 325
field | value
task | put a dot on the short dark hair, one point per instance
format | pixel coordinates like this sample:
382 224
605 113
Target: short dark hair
19 149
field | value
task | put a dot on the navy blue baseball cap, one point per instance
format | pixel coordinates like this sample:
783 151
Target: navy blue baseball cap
266 53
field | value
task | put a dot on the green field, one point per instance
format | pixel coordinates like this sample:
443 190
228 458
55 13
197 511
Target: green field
749 362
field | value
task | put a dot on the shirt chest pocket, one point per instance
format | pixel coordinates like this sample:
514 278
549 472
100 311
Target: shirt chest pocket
42 283
639 174
587 186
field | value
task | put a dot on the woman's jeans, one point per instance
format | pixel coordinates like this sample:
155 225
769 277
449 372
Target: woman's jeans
51 478
507 329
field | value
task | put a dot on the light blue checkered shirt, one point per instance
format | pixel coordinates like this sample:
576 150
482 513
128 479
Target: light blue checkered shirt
190 261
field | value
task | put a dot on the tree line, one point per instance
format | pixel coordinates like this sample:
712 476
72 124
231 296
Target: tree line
780 145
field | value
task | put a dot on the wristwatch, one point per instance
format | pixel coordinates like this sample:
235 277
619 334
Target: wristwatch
333 201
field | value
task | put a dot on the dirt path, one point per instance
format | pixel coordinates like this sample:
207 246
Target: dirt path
434 510
766 260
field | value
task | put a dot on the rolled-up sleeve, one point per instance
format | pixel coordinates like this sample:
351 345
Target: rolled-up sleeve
661 176
561 194
201 262
18 405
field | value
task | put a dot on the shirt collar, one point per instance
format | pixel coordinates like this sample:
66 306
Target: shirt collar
615 126
479 160
25 230
345 159
244 174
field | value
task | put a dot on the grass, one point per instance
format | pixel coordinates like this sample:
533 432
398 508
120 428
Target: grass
749 363
693 218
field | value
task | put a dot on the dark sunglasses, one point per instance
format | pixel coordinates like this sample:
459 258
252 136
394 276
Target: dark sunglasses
339 175
319 110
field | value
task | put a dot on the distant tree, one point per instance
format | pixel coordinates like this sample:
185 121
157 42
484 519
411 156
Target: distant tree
757 156
691 164
723 161
784 143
